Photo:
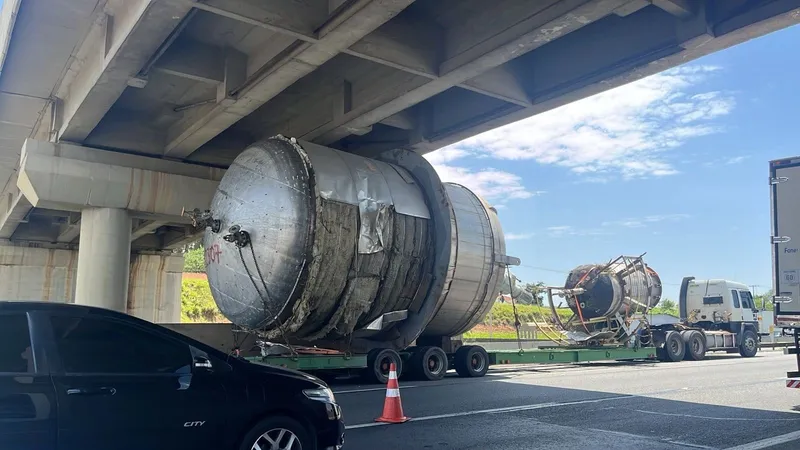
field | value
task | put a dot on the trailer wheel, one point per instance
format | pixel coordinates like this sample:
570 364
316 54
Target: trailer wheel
749 346
674 348
471 361
695 345
378 362
427 363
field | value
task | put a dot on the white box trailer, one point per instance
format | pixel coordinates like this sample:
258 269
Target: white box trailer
784 180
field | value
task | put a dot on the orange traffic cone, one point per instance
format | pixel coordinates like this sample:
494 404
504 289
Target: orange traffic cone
392 407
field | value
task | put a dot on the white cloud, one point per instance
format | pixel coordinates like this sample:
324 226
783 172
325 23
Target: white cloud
624 132
491 184
518 236
642 222
446 155
726 161
736 159
569 230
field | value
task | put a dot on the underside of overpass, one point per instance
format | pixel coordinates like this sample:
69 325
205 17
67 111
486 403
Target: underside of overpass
164 94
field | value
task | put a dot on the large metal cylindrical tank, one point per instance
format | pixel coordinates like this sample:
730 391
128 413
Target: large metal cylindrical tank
342 248
624 286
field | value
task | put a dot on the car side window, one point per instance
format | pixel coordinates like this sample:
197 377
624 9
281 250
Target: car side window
735 295
99 345
16 355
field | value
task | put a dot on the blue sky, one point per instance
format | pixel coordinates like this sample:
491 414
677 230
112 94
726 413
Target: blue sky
674 165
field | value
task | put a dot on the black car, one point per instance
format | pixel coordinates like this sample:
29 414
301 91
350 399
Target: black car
75 377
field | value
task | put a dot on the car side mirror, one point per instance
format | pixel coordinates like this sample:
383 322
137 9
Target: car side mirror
201 362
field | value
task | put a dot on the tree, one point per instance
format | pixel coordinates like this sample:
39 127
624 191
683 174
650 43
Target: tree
194 260
666 306
764 300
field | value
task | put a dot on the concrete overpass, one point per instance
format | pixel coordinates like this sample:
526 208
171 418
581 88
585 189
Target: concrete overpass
117 114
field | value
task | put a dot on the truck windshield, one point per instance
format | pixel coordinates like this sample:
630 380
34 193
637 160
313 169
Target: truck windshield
747 299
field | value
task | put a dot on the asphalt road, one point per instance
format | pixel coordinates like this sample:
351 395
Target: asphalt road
725 402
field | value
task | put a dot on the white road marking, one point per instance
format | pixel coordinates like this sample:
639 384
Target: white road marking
727 419
652 438
769 442
495 411
369 390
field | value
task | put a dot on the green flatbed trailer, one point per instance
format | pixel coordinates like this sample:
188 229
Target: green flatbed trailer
363 363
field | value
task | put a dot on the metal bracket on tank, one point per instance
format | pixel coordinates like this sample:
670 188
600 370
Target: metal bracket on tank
237 236
203 219
385 319
506 260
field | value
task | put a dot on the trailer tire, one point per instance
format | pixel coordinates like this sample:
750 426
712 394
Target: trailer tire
378 363
749 346
695 345
427 363
674 348
471 361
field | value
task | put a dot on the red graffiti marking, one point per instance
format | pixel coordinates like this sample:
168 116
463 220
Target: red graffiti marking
213 254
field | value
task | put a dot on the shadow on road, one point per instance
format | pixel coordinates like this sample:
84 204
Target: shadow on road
498 412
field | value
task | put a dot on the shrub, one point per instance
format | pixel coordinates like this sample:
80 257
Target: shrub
194 261
502 314
197 304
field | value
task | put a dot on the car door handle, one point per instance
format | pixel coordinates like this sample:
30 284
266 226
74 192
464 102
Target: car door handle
92 391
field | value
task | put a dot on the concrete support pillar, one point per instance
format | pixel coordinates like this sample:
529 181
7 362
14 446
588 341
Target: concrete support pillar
104 256
154 291
37 274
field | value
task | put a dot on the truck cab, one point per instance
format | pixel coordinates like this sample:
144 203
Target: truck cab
719 305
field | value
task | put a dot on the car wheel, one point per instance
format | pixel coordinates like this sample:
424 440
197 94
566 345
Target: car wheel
278 433
471 361
379 361
428 363
749 346
674 348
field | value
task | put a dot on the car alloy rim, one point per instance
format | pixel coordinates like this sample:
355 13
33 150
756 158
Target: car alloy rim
277 439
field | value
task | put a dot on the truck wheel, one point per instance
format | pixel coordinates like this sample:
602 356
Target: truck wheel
471 361
695 345
427 363
378 362
749 345
674 348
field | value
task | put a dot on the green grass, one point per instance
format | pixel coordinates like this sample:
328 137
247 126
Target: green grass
494 334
